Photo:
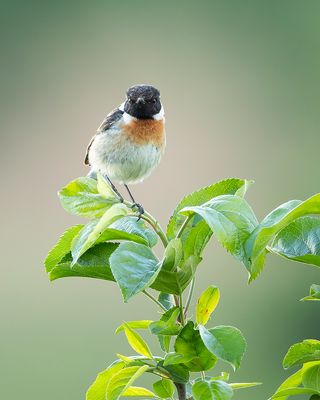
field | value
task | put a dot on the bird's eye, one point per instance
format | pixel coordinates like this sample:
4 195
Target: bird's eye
154 101
131 100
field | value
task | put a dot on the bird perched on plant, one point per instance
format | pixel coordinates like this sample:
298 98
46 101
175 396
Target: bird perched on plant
130 141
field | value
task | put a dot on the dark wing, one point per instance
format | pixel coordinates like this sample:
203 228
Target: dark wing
86 159
109 120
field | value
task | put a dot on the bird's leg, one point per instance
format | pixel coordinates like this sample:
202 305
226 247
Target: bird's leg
135 204
114 188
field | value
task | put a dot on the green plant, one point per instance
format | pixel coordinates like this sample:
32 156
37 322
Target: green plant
314 294
300 241
115 246
307 379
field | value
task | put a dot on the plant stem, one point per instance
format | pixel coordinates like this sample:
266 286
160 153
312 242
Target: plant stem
181 389
189 296
156 227
182 319
203 375
154 224
161 372
154 300
185 223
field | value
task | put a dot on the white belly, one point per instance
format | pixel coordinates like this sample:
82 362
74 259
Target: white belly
121 160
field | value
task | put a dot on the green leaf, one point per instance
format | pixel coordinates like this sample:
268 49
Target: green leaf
228 186
97 391
122 380
164 388
131 225
134 267
92 232
189 343
163 328
167 281
166 300
175 282
179 373
173 255
231 220
105 189
81 197
62 247
224 376
244 385
175 358
211 390
300 353
294 380
196 238
134 360
197 233
136 341
93 264
299 241
166 326
134 391
314 293
293 392
125 359
225 342
206 304
165 340
311 378
141 324
272 224
125 228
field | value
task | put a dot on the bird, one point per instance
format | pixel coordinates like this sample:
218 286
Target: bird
130 141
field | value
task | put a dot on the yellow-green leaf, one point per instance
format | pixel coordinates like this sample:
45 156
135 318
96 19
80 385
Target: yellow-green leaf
311 378
135 391
141 324
125 359
62 247
97 391
136 342
244 385
164 388
81 197
105 189
122 380
207 303
84 240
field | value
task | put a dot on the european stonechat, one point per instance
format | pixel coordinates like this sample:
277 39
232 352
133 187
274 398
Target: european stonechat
130 141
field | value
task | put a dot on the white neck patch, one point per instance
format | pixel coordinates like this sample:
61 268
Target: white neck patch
127 118
160 114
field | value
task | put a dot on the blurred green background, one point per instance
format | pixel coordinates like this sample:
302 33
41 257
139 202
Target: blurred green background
240 85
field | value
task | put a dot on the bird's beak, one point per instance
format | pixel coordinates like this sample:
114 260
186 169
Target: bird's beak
140 101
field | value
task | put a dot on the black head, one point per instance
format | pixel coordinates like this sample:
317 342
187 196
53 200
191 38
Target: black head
143 101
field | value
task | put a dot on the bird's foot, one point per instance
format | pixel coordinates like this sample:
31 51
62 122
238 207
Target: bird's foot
139 208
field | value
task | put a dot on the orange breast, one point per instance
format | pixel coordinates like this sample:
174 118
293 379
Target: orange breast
146 131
